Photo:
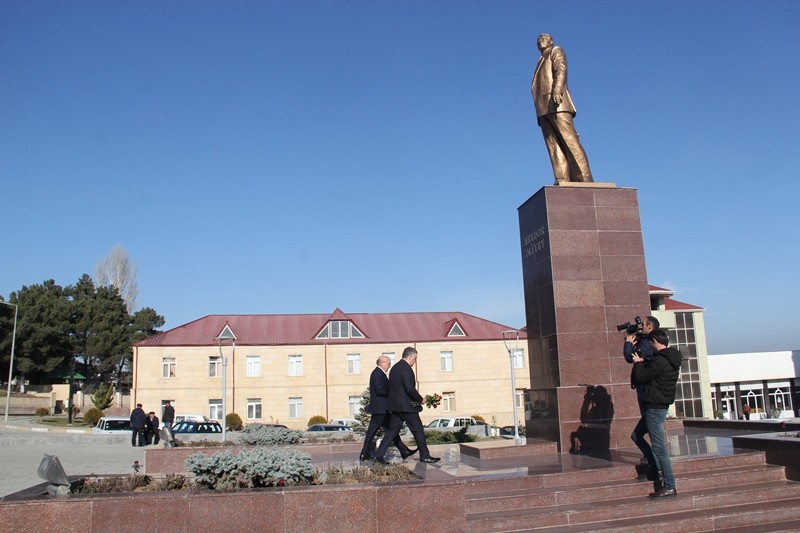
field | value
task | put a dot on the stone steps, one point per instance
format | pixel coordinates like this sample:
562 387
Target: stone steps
714 493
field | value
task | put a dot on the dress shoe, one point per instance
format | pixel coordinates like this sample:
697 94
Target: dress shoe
409 453
430 460
663 492
380 460
364 457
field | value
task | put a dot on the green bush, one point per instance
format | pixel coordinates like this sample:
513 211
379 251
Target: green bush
317 419
233 422
92 416
75 410
434 436
262 467
262 435
42 411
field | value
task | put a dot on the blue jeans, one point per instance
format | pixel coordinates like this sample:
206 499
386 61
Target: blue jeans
655 420
638 438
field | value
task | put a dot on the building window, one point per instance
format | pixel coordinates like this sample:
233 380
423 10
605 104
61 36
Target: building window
519 398
214 366
518 355
168 367
446 361
254 408
354 405
448 402
295 365
456 331
340 329
295 408
215 410
688 396
390 355
253 366
353 363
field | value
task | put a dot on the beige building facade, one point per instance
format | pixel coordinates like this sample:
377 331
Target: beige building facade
287 368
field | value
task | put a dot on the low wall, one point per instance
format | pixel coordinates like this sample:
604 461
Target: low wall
406 506
766 425
781 449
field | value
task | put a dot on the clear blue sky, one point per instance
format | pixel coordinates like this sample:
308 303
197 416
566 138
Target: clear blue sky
296 157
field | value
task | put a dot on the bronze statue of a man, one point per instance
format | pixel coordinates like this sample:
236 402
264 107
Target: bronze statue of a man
554 112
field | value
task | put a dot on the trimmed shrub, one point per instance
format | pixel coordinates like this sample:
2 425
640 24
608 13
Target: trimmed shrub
42 411
317 419
262 467
262 435
233 422
92 416
434 436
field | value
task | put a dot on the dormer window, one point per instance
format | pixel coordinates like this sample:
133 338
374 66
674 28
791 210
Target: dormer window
340 329
456 331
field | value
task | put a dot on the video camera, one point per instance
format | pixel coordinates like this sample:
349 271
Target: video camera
631 329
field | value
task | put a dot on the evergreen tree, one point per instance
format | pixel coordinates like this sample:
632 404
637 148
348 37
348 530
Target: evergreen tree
103 396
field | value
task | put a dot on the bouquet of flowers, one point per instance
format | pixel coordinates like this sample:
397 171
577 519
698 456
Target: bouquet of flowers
432 400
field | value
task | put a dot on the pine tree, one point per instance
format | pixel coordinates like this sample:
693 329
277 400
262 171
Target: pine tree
103 396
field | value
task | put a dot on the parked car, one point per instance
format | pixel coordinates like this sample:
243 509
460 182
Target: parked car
191 426
193 418
112 424
328 430
457 423
349 422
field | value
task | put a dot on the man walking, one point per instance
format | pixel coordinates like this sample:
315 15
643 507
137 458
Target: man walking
405 403
379 408
659 377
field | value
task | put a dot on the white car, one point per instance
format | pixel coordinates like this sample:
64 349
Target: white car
459 422
190 418
109 425
347 422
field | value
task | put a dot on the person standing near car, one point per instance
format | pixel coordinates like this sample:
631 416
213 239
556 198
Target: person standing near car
379 408
151 426
405 403
138 420
168 416
659 377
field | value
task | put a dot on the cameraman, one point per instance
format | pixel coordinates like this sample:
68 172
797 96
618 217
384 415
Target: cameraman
638 343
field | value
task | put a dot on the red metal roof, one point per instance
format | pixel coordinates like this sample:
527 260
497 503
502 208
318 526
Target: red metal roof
272 330
675 305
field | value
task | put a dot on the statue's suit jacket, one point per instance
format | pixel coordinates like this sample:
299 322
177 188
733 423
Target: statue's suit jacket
403 389
551 75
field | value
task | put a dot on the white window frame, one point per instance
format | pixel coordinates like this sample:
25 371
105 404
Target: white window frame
296 364
449 402
354 405
253 366
446 361
518 355
296 407
390 355
254 409
215 410
214 366
354 363
169 367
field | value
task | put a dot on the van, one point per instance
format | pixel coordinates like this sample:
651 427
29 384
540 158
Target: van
109 425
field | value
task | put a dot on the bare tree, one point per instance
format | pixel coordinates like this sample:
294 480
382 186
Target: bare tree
117 270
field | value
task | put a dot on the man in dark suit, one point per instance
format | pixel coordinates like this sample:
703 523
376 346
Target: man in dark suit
379 408
405 403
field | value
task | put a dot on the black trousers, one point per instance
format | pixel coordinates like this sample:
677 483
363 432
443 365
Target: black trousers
414 424
137 437
375 423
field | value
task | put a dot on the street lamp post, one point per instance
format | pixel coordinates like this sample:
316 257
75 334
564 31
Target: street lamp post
11 363
227 335
508 336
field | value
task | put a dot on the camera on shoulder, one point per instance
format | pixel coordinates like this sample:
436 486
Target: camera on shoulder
631 329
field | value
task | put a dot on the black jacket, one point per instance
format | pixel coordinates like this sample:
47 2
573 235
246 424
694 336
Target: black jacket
378 392
403 389
659 376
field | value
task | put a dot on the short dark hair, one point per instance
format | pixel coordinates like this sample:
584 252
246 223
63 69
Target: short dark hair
660 336
408 352
653 321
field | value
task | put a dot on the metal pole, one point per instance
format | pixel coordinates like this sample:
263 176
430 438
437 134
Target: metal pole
11 363
224 385
511 353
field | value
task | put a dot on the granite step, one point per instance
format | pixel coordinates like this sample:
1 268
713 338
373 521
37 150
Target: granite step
547 497
737 491
571 478
605 513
